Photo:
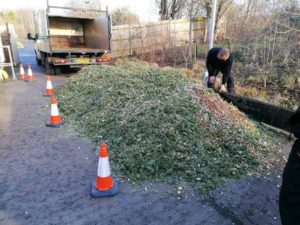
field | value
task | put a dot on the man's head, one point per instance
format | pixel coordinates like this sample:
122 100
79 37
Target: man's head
223 54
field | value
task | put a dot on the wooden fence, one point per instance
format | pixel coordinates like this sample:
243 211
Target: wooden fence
130 39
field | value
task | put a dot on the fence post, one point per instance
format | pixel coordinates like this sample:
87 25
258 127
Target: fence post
129 38
11 63
169 29
195 54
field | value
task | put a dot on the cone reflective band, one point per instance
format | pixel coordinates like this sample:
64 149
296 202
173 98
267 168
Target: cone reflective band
22 72
29 74
49 88
104 184
55 120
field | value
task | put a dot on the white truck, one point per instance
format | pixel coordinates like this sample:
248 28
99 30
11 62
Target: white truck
71 37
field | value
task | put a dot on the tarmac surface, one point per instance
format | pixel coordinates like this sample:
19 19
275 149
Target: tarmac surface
45 175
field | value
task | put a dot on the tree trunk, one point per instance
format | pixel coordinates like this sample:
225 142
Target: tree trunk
163 10
249 7
265 81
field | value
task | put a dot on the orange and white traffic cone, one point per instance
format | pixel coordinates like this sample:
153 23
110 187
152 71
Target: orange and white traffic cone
49 89
29 74
22 72
104 185
55 120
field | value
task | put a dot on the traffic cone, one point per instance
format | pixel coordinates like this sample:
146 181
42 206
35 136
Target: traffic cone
55 120
49 89
22 72
104 185
29 74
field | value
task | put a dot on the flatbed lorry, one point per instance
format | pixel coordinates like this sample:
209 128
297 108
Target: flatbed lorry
71 37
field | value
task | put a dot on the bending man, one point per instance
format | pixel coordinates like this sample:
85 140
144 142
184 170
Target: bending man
220 60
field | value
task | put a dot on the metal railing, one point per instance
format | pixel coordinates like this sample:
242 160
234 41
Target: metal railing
10 63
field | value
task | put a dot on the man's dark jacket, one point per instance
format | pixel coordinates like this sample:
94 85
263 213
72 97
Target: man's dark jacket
289 200
214 65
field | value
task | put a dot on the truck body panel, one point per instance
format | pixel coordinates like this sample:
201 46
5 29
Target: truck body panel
78 35
71 38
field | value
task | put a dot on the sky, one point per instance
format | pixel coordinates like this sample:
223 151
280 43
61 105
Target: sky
145 9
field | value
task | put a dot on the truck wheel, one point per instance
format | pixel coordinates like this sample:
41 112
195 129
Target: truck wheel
43 59
38 61
57 70
49 68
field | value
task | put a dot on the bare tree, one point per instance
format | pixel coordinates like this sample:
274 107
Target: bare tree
164 15
172 9
21 19
124 16
177 7
268 36
7 17
88 4
222 8
193 9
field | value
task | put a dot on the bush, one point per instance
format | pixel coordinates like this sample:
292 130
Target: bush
287 81
284 102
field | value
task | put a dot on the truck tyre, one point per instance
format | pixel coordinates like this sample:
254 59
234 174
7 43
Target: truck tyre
57 70
43 58
49 68
38 61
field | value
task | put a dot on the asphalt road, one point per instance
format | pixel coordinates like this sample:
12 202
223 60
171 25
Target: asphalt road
45 175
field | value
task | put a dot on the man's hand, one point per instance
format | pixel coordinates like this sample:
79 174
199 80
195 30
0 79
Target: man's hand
212 80
222 88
